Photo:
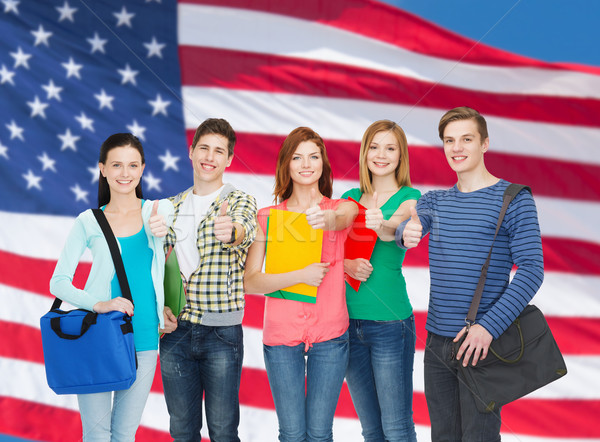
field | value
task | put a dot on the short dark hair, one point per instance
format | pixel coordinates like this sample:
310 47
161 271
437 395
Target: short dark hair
117 140
217 126
463 113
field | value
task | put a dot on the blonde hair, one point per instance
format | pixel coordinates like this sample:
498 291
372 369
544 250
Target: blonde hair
402 169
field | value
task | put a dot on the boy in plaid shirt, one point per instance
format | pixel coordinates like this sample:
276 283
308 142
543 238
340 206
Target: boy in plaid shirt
214 224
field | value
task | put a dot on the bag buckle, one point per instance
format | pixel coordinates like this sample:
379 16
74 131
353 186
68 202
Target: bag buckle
469 324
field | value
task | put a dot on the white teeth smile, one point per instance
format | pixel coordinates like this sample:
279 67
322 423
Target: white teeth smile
123 182
208 167
381 164
306 173
459 158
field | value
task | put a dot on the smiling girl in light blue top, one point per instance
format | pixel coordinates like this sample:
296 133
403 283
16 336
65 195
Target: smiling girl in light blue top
140 227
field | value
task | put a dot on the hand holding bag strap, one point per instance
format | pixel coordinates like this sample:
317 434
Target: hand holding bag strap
115 253
509 194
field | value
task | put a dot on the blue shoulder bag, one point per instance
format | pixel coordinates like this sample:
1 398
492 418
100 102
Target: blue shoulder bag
87 352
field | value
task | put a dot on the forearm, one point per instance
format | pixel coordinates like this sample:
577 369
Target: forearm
259 283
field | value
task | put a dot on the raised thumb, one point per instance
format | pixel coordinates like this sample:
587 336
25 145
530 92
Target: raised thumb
413 215
223 209
374 201
154 208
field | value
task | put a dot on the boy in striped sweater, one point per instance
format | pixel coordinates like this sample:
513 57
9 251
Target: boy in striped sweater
461 222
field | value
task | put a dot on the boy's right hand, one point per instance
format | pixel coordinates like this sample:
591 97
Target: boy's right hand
413 230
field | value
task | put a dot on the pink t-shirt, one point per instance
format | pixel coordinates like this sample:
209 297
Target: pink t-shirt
289 322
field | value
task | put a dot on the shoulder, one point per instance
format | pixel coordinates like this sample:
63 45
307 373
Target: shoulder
239 195
180 196
352 193
265 210
411 193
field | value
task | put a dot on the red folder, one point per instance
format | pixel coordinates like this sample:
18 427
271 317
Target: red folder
360 242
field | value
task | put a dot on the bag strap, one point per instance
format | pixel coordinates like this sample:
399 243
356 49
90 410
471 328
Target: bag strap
116 256
115 253
509 194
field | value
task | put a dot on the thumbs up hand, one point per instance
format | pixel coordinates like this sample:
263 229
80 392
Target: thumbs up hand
413 231
223 227
315 216
157 223
373 215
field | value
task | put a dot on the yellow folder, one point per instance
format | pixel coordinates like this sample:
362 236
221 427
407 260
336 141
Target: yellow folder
292 244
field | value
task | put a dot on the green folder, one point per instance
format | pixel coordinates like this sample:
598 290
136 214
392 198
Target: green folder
174 292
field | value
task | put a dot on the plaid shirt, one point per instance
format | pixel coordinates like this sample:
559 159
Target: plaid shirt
215 290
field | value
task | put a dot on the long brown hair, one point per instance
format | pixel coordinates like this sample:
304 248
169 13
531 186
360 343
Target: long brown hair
283 181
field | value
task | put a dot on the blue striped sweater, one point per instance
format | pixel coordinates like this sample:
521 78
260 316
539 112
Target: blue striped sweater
461 227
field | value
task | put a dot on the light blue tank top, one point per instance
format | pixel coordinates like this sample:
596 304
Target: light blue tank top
137 260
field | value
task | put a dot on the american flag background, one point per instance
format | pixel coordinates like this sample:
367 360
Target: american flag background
73 72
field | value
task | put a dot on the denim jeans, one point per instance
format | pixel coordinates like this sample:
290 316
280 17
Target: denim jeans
305 409
199 360
452 408
379 376
115 416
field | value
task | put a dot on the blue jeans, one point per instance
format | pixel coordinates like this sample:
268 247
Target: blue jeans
200 360
305 409
379 376
452 408
115 416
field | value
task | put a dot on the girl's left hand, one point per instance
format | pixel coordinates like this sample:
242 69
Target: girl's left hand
157 223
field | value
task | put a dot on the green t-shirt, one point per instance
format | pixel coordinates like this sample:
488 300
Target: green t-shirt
383 296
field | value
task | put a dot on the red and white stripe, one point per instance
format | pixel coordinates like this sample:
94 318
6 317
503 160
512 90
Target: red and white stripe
269 67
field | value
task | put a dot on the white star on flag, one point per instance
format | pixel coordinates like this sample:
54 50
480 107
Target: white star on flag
41 36
15 131
80 194
169 161
7 76
154 48
104 99
97 43
47 162
72 68
32 180
66 12
86 123
152 182
52 90
159 106
68 140
124 17
137 130
37 107
21 58
11 6
3 151
95 173
128 75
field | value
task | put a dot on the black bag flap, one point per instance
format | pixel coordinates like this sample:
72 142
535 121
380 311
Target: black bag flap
532 325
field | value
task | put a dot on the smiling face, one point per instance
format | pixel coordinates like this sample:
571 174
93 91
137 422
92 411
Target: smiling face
383 155
209 159
123 169
464 147
306 164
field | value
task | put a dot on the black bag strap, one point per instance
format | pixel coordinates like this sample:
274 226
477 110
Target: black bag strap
509 194
116 256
